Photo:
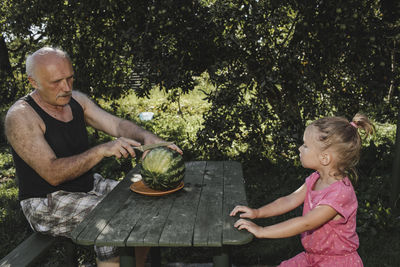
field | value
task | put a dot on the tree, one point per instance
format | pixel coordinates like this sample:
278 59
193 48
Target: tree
163 41
296 61
276 64
6 74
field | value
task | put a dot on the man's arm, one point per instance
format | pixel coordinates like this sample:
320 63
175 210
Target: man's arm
25 132
115 126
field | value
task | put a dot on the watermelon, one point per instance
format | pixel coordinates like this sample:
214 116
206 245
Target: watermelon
162 169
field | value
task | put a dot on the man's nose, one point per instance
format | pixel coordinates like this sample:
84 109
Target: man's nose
66 86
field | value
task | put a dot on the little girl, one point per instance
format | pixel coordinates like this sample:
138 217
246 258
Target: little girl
328 225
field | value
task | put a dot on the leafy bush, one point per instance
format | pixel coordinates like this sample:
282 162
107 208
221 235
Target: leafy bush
13 226
265 180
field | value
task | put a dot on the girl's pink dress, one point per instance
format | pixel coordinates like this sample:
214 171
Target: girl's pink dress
335 243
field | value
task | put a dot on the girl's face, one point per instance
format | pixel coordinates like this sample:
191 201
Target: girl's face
311 149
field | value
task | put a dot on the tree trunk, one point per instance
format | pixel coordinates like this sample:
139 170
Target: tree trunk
392 66
7 79
396 168
5 66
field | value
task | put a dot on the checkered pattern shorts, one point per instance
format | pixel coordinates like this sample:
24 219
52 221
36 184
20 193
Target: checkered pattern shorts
62 211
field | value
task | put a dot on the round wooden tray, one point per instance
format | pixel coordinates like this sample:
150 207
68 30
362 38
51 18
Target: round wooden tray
141 188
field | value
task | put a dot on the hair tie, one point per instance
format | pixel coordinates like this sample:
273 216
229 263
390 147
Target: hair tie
353 124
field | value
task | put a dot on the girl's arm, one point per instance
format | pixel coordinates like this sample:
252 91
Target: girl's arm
278 207
312 220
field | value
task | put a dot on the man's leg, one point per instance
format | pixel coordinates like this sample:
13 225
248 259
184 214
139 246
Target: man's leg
107 255
114 262
61 211
141 255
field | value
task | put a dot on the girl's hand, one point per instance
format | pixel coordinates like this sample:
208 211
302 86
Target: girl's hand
246 212
249 226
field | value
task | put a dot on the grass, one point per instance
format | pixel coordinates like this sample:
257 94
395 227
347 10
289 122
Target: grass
178 119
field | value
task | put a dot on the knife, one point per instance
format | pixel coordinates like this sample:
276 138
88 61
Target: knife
150 146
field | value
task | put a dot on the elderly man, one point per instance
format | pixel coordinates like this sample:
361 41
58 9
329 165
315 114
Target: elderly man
47 133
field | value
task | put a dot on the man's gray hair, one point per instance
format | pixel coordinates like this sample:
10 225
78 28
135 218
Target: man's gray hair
30 59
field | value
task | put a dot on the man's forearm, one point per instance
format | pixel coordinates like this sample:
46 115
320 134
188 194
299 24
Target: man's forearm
130 130
61 170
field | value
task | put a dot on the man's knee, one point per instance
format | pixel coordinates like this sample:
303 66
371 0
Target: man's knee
112 262
106 253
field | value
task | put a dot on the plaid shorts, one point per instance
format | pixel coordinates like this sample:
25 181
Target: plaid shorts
62 211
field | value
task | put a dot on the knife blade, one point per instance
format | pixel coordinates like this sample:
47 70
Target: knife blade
150 146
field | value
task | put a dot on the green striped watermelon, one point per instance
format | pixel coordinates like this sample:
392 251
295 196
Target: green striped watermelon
162 169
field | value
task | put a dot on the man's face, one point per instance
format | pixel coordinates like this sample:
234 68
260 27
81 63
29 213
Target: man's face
53 78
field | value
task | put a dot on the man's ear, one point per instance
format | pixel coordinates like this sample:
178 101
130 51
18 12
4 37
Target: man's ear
325 158
33 82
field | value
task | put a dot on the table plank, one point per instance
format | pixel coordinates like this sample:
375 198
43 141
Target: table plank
150 233
178 228
140 216
197 215
149 227
208 226
120 225
88 230
234 194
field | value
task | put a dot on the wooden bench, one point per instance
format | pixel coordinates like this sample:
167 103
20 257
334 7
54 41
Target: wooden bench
34 247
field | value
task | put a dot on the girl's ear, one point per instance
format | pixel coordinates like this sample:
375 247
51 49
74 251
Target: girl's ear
325 158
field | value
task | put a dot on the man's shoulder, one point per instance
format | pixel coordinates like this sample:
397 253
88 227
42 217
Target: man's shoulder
21 118
19 109
77 95
81 98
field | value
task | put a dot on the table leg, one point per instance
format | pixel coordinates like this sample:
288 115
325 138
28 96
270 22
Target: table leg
223 259
70 251
127 257
155 256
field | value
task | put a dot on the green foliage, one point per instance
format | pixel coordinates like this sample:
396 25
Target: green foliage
287 63
112 41
264 180
172 121
272 66
13 226
374 186
7 169
275 64
386 247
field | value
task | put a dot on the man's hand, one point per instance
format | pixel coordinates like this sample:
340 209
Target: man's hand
153 139
176 148
246 212
121 147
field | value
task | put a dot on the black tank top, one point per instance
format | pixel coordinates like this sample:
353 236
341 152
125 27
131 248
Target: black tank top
66 139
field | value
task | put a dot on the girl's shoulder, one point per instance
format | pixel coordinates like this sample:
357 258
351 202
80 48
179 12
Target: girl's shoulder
341 192
310 180
344 186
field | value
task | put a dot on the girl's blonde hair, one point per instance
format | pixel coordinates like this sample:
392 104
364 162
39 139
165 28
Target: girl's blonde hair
344 137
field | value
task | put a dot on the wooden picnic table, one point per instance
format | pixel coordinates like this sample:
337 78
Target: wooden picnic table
195 216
